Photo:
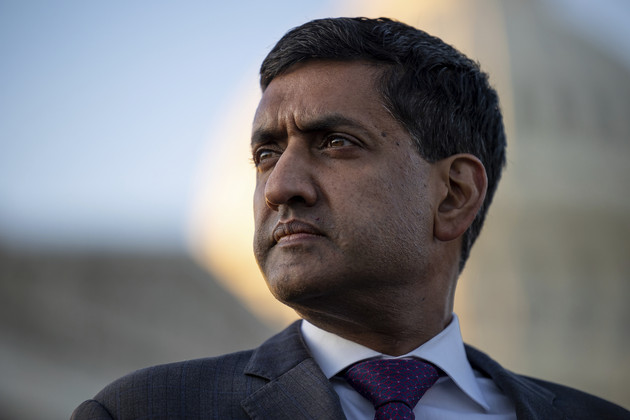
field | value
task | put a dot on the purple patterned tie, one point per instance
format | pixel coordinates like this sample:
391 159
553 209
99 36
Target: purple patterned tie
394 386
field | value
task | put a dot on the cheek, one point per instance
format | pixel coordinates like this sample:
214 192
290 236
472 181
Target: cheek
398 207
260 212
366 209
259 202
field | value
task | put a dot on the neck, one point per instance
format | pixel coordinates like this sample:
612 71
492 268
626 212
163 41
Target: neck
391 317
393 342
393 329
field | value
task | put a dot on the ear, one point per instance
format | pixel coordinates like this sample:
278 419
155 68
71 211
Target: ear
463 185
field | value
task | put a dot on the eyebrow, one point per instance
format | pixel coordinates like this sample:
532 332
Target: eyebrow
327 122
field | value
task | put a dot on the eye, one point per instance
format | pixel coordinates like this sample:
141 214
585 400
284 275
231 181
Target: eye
336 141
263 154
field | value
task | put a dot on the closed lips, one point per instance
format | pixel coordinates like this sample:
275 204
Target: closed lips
294 227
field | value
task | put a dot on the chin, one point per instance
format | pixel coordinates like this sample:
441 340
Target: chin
294 291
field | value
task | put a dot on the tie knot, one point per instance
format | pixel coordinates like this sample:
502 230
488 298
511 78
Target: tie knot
388 382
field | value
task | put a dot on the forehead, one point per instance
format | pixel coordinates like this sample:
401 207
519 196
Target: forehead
317 88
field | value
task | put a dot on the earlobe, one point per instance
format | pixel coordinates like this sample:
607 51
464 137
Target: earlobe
464 184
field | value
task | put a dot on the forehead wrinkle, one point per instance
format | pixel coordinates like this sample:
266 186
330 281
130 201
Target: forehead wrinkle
265 127
325 121
287 106
303 123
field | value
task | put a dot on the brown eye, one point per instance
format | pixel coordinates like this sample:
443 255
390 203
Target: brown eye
337 141
262 155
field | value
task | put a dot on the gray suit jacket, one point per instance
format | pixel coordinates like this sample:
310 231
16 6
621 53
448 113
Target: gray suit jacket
280 380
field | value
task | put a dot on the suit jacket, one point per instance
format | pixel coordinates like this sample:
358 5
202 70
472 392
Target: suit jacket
280 380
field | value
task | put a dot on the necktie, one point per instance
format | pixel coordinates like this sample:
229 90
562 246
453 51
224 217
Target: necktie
394 386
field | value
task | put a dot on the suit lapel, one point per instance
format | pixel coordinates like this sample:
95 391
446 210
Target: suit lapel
301 393
532 402
297 387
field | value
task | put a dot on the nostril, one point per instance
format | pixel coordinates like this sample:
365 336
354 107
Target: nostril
271 204
297 199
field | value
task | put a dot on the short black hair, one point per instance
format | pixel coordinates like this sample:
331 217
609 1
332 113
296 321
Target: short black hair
439 95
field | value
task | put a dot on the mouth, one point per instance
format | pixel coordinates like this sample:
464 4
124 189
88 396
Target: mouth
294 229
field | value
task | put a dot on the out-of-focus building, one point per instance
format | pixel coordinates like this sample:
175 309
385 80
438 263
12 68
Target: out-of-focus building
72 322
547 284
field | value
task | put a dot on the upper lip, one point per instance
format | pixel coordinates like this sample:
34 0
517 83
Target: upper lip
292 227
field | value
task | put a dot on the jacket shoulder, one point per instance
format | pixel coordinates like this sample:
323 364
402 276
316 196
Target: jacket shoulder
576 404
211 387
536 398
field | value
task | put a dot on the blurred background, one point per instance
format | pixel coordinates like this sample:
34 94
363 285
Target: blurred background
125 187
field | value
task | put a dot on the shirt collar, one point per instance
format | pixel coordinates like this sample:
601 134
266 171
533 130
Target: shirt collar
446 351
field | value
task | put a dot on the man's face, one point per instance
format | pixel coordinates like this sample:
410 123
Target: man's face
340 204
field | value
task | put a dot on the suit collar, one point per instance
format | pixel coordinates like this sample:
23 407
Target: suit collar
265 361
530 400
297 387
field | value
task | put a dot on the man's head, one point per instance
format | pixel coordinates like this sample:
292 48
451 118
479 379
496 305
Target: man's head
368 142
436 93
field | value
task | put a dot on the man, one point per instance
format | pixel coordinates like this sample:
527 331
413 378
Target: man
378 149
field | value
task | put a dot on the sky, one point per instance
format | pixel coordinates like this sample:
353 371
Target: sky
108 108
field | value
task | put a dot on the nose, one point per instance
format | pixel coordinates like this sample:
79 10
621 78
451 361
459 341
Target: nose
291 181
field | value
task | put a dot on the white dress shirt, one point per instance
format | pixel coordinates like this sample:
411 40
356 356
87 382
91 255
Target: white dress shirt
463 393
